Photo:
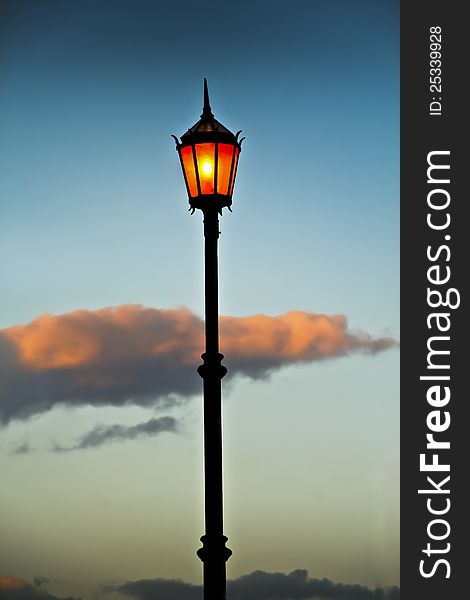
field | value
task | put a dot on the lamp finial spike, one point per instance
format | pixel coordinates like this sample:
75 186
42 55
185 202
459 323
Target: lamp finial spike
206 111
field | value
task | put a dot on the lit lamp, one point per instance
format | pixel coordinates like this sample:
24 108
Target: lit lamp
209 156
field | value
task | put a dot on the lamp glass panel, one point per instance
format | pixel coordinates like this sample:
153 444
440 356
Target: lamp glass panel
205 158
237 152
189 170
224 164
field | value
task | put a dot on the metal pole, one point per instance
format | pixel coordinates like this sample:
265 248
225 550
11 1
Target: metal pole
214 553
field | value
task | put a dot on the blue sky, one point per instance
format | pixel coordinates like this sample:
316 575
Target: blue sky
93 215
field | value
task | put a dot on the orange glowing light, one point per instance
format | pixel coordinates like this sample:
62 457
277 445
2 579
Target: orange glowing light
225 163
207 168
205 158
237 152
189 170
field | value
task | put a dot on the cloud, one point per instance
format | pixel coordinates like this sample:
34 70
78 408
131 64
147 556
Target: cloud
23 448
40 581
163 589
102 434
12 588
260 585
133 354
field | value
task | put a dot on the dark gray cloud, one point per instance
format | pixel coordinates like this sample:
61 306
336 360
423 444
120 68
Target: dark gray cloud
163 589
132 354
260 585
39 581
103 434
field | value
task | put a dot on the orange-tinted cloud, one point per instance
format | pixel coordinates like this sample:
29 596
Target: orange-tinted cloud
12 588
7 582
142 355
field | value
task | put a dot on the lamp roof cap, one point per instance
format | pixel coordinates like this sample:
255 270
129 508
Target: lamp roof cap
208 128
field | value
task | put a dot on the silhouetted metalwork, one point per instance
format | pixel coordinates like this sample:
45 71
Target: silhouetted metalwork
209 154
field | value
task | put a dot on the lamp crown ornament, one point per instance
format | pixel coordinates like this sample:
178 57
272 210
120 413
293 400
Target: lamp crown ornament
206 111
209 153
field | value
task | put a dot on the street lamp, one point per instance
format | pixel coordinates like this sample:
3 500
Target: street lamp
209 153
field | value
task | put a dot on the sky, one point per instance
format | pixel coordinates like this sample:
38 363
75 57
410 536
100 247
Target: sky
101 298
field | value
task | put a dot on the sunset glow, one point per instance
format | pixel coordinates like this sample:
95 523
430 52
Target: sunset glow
11 582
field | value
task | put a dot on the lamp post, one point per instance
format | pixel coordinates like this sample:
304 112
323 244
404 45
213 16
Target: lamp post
209 153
